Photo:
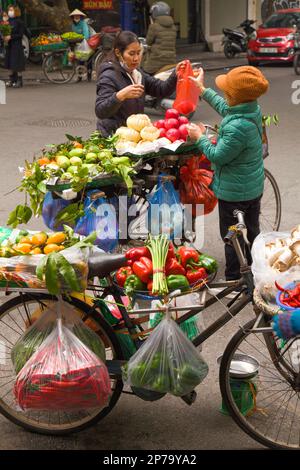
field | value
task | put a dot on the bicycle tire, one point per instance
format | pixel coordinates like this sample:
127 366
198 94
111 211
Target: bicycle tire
46 67
246 419
274 224
296 63
98 60
18 417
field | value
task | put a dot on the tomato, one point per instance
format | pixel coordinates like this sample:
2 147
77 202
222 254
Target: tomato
171 123
172 113
183 131
162 132
160 124
183 120
173 134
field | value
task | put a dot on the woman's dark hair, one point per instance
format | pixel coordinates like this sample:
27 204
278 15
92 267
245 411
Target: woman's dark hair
121 42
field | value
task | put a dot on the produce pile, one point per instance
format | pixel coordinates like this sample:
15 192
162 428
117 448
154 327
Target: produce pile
284 253
158 268
140 136
72 37
46 39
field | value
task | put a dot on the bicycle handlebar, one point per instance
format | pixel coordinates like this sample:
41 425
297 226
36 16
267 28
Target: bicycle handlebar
240 215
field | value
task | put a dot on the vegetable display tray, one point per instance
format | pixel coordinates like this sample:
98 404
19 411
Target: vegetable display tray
184 149
97 183
50 47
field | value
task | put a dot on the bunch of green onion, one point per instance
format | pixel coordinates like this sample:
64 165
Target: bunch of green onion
158 247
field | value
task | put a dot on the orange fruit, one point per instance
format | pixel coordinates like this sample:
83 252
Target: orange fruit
39 239
23 247
77 145
51 248
56 238
36 251
43 161
25 240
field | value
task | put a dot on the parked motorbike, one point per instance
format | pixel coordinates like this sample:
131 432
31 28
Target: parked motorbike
235 42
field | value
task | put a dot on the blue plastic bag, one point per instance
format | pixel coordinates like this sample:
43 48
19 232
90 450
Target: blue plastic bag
100 215
165 213
51 207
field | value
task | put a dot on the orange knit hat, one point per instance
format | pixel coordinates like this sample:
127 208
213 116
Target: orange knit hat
242 84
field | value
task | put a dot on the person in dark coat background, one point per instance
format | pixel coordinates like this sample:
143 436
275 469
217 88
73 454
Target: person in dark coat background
121 85
15 58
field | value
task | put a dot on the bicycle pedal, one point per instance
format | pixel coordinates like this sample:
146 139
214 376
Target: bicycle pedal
190 398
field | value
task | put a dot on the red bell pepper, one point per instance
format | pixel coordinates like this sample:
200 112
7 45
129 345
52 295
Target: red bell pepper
188 255
143 269
171 252
135 254
122 275
196 275
174 267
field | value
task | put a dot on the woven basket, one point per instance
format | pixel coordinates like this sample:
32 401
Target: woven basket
263 305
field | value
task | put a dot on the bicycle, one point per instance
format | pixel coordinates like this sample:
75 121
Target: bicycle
60 66
269 366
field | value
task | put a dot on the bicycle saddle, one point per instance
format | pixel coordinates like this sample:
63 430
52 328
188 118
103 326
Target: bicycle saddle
102 264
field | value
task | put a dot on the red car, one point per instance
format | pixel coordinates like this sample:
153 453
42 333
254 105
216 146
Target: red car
275 39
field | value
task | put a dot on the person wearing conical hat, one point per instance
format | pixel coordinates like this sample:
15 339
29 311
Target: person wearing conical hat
79 25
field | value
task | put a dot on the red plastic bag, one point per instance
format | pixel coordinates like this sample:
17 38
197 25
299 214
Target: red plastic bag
63 374
95 40
195 179
187 93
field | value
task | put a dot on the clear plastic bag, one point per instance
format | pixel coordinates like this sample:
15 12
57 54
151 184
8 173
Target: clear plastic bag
44 321
165 213
100 215
63 374
187 93
83 51
167 362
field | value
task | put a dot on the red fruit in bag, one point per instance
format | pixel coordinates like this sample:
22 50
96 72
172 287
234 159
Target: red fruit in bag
171 123
183 131
172 113
186 107
160 124
183 120
173 135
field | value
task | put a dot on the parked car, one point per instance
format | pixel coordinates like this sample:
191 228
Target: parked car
275 39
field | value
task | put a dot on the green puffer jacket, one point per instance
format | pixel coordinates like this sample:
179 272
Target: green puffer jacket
237 158
161 38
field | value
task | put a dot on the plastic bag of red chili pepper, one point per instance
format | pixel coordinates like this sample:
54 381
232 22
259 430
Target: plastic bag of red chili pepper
63 374
194 187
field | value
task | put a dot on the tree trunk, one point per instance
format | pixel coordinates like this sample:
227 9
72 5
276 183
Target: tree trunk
56 16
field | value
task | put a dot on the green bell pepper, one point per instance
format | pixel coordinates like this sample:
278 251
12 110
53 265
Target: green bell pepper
133 283
177 281
209 263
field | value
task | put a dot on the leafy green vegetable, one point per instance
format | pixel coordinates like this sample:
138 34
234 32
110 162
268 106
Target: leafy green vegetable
20 215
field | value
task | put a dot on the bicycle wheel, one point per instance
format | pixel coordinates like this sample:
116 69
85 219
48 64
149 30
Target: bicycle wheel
265 405
98 59
57 68
270 211
297 63
15 317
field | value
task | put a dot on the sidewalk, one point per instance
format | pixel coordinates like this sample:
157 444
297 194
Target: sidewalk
210 61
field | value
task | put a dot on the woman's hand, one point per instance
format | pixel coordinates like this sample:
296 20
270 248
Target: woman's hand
195 131
130 92
199 80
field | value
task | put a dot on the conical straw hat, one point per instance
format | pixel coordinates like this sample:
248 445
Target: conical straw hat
77 12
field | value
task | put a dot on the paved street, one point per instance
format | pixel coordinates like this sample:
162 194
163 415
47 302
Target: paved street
40 114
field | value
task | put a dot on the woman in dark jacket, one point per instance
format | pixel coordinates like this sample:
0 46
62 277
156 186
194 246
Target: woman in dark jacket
121 85
14 58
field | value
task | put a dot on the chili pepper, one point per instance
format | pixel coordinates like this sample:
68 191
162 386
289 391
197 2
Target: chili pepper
143 269
188 255
196 275
171 252
291 301
177 281
133 283
209 263
135 254
122 275
174 267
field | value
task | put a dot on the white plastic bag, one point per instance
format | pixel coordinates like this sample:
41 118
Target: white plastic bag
167 362
83 51
63 374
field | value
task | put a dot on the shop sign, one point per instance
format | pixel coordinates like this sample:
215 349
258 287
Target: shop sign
97 5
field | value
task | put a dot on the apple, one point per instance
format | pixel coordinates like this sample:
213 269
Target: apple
162 132
171 123
172 113
183 120
183 131
160 124
173 134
